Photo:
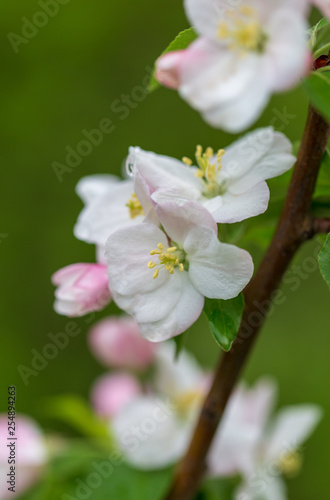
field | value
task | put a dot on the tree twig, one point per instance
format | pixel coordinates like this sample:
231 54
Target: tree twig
295 226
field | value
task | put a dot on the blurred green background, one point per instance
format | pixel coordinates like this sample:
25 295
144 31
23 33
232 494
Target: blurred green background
65 80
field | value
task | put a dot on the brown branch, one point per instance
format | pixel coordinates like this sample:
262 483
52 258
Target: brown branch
321 226
296 225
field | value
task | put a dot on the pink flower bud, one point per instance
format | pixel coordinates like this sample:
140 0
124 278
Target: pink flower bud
116 341
111 393
30 454
167 68
82 288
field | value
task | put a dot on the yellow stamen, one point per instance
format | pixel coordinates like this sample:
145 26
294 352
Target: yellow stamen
169 258
187 161
155 274
134 206
242 30
156 251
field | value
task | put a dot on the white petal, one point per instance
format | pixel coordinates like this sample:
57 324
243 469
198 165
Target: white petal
93 186
234 448
105 214
150 433
217 270
259 155
179 220
161 171
293 425
142 191
128 253
180 316
236 208
176 376
205 15
242 111
287 50
212 76
179 195
257 486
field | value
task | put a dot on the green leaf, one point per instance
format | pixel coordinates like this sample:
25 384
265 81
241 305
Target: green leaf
324 260
105 480
317 85
75 411
182 41
315 31
224 317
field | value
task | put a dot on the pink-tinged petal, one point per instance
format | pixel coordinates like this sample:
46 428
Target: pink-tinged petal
212 76
150 434
259 155
236 208
234 448
31 452
81 288
93 186
217 270
179 220
111 393
324 6
292 426
117 342
142 191
168 68
287 51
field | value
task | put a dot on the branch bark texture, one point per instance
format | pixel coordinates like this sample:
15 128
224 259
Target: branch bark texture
295 226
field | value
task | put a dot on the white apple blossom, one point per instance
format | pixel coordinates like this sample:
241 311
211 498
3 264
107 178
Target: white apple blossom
110 203
261 451
161 278
153 430
246 51
230 184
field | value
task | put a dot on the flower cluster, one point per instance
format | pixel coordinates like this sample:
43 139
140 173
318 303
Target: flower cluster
245 52
156 232
153 416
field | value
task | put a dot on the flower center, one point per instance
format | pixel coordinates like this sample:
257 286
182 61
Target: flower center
134 206
290 463
188 400
243 30
209 166
171 258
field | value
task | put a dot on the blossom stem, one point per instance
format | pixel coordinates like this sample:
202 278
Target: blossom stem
296 225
